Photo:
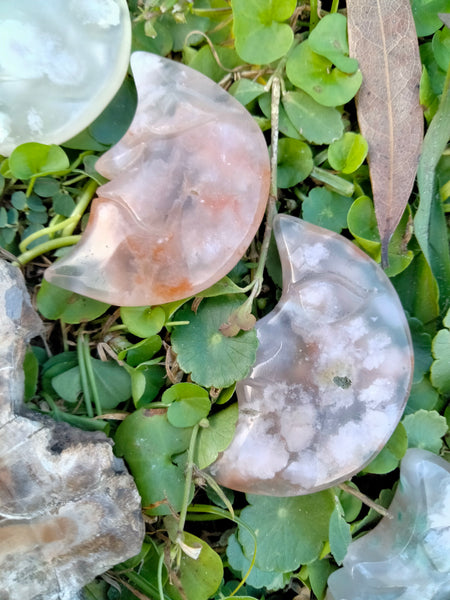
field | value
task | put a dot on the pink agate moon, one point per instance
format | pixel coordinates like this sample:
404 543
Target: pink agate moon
189 185
332 372
61 62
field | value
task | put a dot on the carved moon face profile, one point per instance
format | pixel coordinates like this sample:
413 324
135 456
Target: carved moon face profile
332 373
405 556
189 185
61 62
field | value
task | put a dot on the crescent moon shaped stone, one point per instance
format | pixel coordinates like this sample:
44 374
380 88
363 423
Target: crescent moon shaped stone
407 556
189 185
61 62
332 373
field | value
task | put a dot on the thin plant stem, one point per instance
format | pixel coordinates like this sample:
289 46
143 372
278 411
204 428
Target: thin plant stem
271 210
160 583
83 375
30 255
334 6
83 202
188 482
314 14
365 500
91 377
45 231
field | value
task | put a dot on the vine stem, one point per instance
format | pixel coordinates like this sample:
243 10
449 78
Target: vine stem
271 210
30 255
365 500
187 483
83 202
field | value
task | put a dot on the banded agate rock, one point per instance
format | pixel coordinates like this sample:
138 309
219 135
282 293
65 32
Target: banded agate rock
61 62
332 372
406 557
68 509
189 184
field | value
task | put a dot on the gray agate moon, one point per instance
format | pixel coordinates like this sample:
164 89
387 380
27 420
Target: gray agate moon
61 62
332 373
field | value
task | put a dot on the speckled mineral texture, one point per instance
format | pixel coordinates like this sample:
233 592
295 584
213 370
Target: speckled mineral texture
61 62
332 371
68 509
189 184
407 557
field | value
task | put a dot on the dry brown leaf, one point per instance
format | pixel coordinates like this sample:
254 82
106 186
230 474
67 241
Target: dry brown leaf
382 37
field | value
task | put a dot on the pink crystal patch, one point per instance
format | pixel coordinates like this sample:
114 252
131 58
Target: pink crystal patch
332 372
189 185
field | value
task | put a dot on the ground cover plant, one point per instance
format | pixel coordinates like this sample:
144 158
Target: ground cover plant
160 380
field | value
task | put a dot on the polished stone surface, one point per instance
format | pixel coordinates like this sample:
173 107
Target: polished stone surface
68 509
407 557
61 62
189 185
332 373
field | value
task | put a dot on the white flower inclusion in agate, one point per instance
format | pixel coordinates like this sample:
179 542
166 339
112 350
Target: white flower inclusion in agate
406 557
189 185
332 372
61 62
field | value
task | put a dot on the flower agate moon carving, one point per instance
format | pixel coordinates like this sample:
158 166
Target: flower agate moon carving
189 185
68 508
332 372
61 62
407 556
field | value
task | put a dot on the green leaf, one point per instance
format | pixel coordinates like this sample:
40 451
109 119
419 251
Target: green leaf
46 187
423 395
154 451
112 382
441 47
339 534
146 382
216 437
199 578
285 125
111 125
326 209
210 357
348 153
425 430
315 74
422 349
261 37
440 369
188 404
363 226
278 549
425 13
429 222
295 162
142 351
143 321
246 90
271 580
222 287
318 573
329 39
427 97
205 62
56 303
418 290
317 123
389 457
161 44
34 159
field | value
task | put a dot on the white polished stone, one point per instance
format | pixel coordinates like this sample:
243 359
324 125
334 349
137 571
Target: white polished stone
332 373
61 62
